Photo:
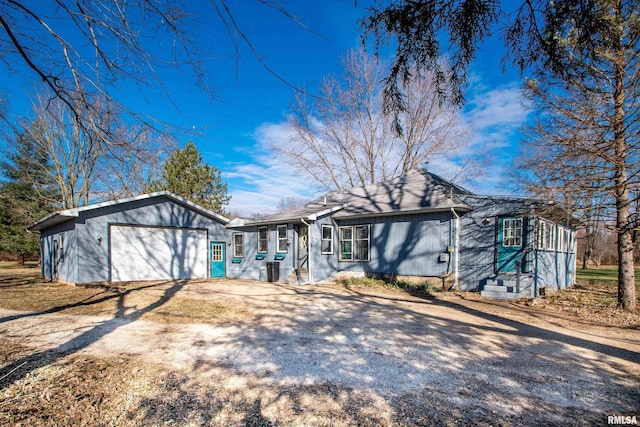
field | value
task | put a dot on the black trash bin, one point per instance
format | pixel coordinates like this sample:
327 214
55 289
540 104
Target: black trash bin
273 271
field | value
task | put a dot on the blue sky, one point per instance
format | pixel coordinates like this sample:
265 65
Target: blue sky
232 132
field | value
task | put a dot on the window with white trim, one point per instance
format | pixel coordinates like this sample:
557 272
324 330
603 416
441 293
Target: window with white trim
560 239
540 235
263 240
61 252
238 245
355 243
550 232
572 242
327 240
281 231
346 243
512 232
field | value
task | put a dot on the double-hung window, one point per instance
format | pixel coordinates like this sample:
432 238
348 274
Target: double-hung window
540 235
355 243
282 238
560 239
263 240
238 245
550 231
512 232
327 240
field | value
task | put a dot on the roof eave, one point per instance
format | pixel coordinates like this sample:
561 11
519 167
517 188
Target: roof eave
52 219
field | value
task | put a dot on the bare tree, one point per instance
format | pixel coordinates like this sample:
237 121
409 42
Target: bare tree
85 51
83 165
287 204
588 134
343 138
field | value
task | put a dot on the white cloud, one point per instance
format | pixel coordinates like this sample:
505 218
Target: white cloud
495 117
261 184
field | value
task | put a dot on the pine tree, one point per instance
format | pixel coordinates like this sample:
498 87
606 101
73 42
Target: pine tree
185 175
27 194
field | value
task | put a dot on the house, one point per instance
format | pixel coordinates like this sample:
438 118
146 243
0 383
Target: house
416 225
149 237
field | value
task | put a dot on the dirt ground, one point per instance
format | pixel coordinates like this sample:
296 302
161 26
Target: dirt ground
307 355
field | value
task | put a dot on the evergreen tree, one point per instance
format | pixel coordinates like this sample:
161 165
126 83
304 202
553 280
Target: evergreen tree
27 194
185 175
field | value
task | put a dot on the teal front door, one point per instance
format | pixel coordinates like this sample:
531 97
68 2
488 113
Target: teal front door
510 243
217 259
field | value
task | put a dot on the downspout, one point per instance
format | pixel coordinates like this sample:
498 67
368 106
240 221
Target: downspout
456 251
308 249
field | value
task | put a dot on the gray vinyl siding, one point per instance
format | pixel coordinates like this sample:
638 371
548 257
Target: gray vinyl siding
249 267
66 260
323 266
478 233
93 261
408 245
556 268
479 245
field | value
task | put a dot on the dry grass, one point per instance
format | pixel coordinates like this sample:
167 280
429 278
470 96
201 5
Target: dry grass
23 290
595 302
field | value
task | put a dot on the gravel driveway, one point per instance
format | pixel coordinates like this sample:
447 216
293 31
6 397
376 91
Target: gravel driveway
468 352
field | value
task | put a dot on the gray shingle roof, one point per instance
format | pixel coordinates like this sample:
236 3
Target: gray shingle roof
410 193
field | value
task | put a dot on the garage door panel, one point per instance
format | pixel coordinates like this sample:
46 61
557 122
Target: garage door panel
148 253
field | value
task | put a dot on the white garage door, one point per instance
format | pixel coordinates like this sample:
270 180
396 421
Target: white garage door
148 253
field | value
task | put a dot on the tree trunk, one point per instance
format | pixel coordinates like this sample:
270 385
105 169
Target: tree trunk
588 244
626 273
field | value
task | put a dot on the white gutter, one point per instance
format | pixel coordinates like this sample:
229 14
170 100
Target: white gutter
456 251
320 214
308 250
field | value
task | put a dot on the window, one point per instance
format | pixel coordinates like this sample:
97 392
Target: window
61 252
512 232
361 243
263 240
355 243
550 233
282 238
560 239
346 243
572 242
547 238
540 235
238 245
327 239
216 252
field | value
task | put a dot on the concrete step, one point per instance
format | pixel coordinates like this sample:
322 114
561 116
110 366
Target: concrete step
503 294
509 281
499 288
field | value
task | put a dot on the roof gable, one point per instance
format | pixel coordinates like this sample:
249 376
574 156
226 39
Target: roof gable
68 214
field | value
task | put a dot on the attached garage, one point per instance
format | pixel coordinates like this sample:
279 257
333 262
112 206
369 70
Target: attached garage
156 253
154 236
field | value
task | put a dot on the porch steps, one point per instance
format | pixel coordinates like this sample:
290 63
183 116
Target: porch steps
504 287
